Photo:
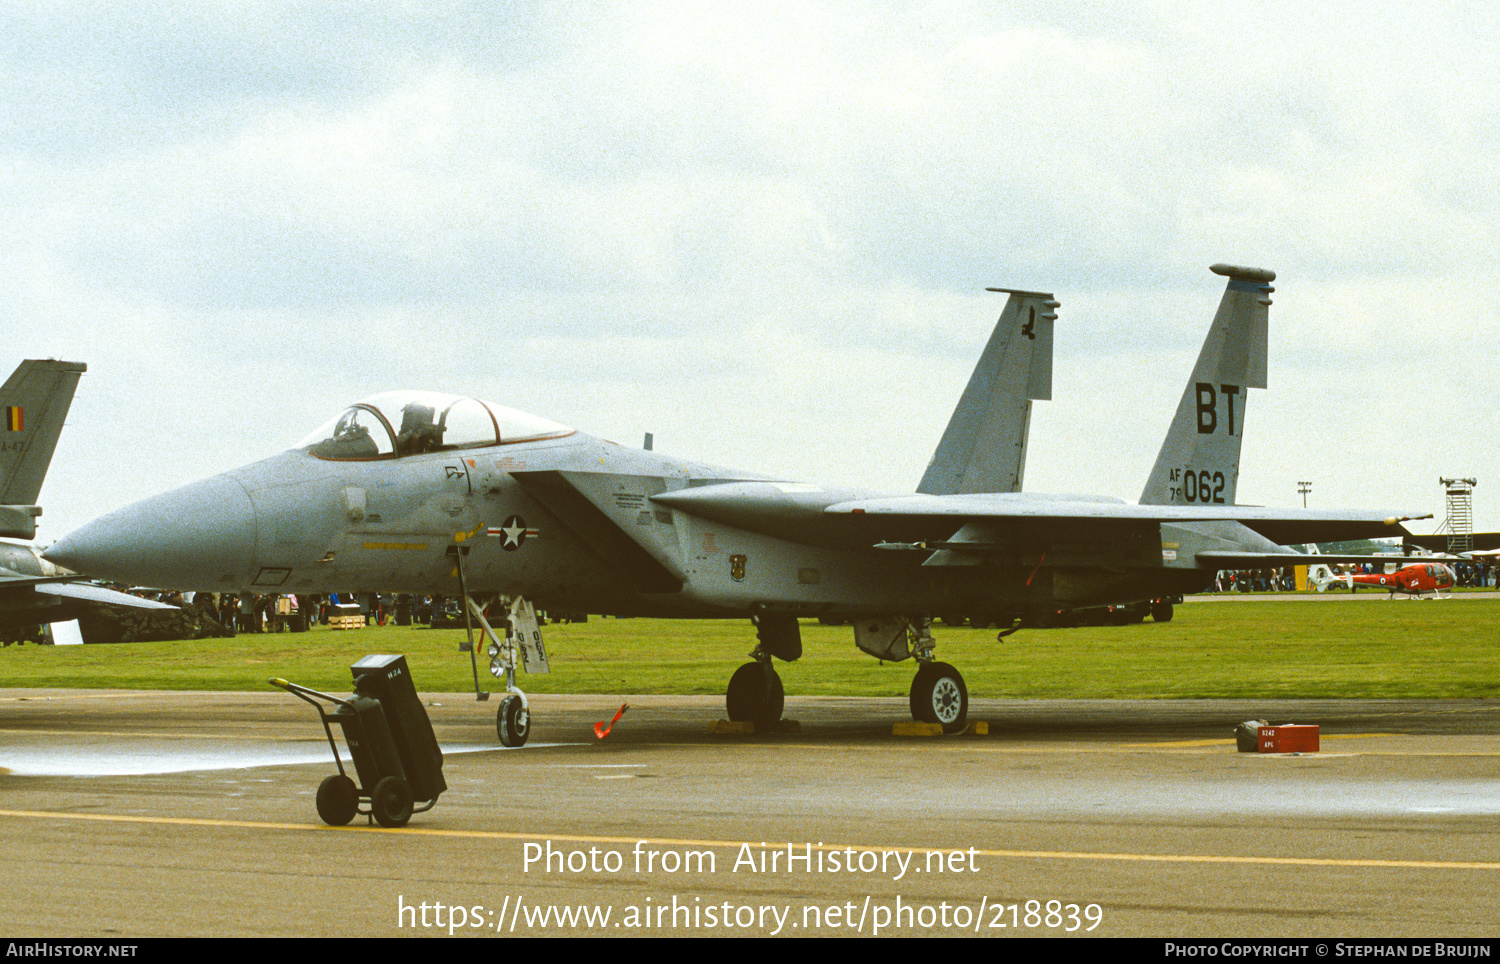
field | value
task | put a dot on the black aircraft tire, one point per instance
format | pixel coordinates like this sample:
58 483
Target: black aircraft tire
338 800
1161 611
938 695
391 802
512 721
753 697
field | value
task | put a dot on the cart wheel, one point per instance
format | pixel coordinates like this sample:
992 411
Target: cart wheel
391 802
512 721
338 800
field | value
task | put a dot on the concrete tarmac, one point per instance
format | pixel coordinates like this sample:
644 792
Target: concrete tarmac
136 814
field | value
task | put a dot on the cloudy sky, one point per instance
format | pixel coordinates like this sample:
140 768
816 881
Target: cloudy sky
759 230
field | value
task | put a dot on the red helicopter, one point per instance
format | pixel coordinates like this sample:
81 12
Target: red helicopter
1414 579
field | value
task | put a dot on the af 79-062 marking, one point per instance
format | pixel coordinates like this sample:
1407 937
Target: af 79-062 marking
1201 486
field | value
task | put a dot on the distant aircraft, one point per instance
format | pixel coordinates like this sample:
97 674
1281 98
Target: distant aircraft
34 402
428 493
1413 579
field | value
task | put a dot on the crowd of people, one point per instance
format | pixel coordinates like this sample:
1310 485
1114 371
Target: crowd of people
1255 580
225 614
1473 575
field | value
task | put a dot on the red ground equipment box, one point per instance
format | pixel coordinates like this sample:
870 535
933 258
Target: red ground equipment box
1291 738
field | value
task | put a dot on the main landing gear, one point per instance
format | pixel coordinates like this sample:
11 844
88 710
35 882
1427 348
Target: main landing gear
755 694
938 693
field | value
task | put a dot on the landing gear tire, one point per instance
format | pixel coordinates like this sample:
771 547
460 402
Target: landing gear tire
338 800
512 721
391 802
1161 611
755 695
938 695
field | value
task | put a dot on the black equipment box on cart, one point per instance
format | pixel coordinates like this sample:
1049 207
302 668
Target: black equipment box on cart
390 740
387 679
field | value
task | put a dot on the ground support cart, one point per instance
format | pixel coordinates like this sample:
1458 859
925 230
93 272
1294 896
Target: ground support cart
386 788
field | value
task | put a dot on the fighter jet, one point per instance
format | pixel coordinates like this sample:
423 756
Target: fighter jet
35 401
432 493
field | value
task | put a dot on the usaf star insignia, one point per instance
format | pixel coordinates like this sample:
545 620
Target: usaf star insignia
513 533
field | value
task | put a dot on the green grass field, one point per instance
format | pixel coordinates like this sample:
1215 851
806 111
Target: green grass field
1218 650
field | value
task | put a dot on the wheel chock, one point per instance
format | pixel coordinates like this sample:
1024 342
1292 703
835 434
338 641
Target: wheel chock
913 728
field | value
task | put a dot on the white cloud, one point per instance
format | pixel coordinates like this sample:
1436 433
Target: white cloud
777 216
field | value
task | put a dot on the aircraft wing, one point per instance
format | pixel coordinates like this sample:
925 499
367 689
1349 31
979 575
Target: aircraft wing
815 515
91 593
1281 526
71 587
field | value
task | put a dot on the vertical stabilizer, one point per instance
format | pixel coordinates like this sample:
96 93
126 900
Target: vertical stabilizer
984 446
1199 462
34 403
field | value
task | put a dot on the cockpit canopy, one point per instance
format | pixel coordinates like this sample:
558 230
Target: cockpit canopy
408 423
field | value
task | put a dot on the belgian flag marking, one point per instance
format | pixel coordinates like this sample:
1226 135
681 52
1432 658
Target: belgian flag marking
14 420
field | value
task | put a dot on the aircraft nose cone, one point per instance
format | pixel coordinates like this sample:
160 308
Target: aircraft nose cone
199 537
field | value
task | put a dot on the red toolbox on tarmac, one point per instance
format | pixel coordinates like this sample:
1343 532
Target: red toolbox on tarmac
1291 738
1258 736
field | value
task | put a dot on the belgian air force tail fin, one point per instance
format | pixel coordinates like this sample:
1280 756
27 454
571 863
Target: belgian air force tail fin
984 447
34 402
1199 462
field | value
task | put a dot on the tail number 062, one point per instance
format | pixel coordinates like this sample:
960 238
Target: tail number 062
1204 486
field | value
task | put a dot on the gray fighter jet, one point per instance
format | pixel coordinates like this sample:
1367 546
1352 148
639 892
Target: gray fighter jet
35 401
427 493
